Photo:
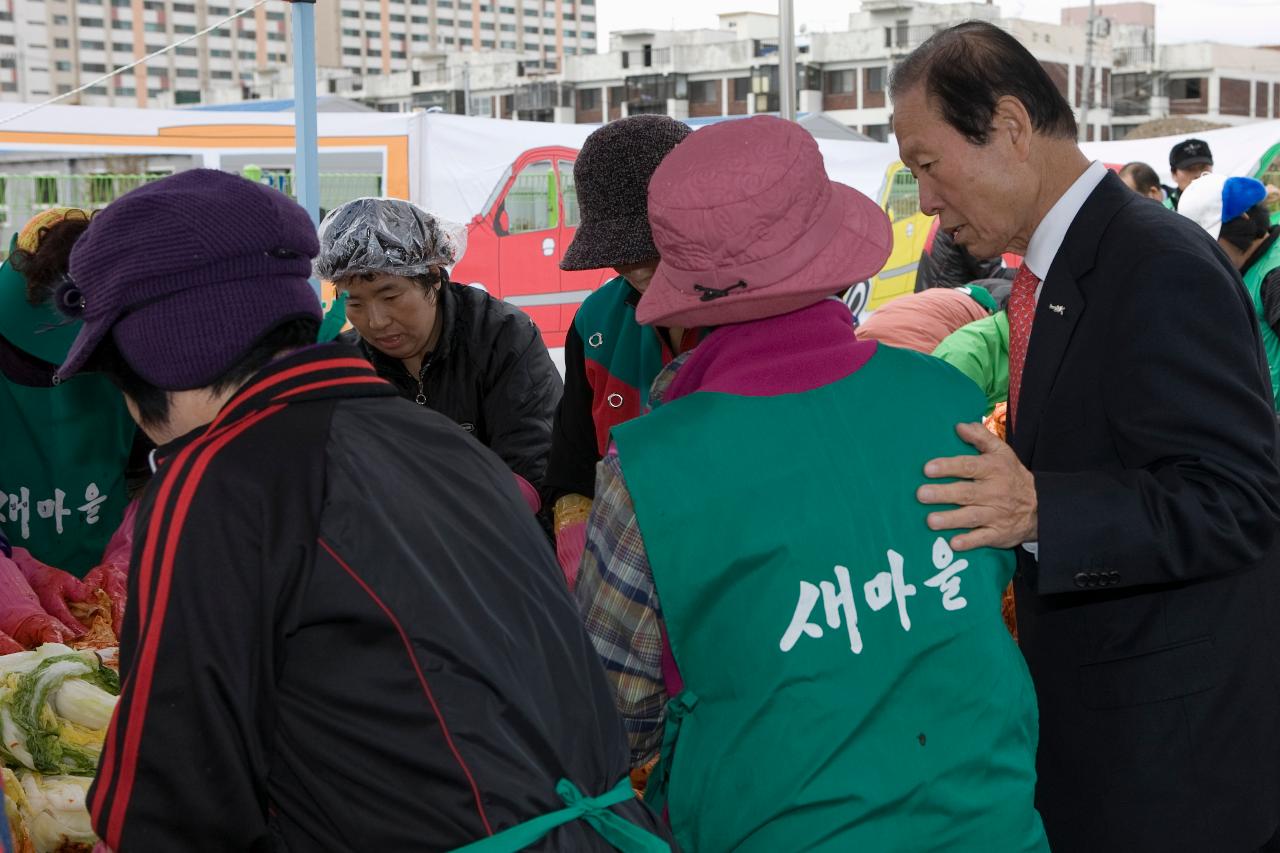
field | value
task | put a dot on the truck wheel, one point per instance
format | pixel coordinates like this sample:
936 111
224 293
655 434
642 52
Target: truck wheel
857 298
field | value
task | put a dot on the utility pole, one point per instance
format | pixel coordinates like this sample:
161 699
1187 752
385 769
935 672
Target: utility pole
1086 100
787 59
306 135
466 87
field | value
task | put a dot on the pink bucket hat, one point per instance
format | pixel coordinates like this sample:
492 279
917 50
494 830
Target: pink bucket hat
749 226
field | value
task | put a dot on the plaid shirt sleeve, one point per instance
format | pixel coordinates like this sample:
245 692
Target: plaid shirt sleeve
620 606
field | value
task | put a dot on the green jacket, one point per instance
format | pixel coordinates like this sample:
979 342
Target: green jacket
980 351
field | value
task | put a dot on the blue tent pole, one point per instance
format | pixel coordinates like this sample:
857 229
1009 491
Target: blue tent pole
306 166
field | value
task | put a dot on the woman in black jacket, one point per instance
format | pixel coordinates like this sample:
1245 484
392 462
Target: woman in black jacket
452 347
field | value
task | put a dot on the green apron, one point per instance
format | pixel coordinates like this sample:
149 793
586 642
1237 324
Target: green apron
849 684
1270 341
63 450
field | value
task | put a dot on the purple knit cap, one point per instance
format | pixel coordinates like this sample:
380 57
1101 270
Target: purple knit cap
187 273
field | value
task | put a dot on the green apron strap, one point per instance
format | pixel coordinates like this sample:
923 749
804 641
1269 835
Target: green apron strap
655 792
618 831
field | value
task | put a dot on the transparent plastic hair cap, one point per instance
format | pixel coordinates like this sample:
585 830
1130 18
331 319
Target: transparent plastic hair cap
389 236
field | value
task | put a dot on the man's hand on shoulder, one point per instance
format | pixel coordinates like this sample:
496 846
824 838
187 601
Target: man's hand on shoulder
995 495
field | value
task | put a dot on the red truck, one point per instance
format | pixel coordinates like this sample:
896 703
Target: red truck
515 243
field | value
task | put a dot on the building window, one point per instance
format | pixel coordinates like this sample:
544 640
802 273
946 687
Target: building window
248 55
570 50
397 54
704 91
186 97
184 29
840 82
351 51
486 25
61 43
96 67
273 16
219 11
127 92
464 42
421 37
444 4
220 75
125 3
508 28
187 8
396 18
507 10
121 25
185 51
531 30
874 80
588 19
1185 90
93 45
421 19
570 34
63 89
350 13
153 28
507 45
188 72
548 31
121 47
91 23
448 40
347 31
741 88
57 19
157 72
220 54
62 65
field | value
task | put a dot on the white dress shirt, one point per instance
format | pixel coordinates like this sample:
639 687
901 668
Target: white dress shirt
1052 230
1048 237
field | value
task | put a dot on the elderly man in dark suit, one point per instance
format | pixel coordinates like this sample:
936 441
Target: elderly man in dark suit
1141 490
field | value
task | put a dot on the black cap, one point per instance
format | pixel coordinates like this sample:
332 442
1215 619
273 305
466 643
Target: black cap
1190 152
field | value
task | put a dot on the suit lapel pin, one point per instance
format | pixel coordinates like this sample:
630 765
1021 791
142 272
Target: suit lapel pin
1057 309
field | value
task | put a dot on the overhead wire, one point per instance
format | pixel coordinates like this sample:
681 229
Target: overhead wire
123 68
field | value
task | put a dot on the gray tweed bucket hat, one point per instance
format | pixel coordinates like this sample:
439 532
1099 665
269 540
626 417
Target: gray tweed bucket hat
612 175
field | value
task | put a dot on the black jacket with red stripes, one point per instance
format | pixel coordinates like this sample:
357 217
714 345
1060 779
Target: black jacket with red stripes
346 632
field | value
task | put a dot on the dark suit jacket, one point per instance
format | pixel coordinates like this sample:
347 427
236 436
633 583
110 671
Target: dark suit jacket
1149 620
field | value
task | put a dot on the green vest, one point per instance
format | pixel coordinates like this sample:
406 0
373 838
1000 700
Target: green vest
63 450
63 453
1270 341
849 684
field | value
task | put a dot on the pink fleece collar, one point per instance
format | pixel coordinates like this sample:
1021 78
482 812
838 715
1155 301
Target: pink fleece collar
787 354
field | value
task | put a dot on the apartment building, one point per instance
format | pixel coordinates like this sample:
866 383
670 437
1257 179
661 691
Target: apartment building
730 70
373 37
1221 83
50 47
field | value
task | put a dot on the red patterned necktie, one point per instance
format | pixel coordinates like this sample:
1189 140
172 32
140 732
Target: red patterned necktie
1022 312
